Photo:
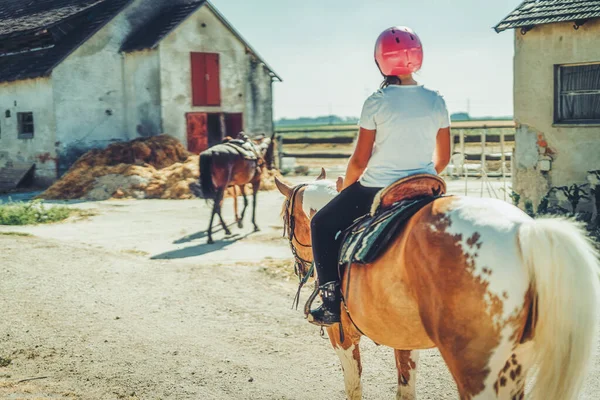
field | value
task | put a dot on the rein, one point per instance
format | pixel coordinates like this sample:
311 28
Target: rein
300 264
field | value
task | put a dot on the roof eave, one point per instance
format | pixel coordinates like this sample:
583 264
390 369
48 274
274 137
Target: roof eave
221 17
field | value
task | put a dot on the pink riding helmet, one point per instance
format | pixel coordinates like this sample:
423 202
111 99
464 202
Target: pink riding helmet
398 51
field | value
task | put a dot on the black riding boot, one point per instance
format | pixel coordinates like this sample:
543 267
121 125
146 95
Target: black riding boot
329 312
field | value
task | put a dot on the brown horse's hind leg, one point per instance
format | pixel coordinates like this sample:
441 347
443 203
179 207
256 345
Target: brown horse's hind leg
255 188
219 201
406 363
241 220
217 211
235 203
348 352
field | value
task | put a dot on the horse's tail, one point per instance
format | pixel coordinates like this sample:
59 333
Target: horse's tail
206 181
563 266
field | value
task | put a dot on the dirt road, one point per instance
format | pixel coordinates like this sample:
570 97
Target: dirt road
132 304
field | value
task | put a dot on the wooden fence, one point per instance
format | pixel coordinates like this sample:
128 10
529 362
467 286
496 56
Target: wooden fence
463 163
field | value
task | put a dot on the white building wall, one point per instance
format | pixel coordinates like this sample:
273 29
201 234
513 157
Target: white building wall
203 32
90 89
575 148
142 93
259 101
32 95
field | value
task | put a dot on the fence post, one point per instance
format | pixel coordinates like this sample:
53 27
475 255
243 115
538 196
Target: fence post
462 150
503 161
279 151
483 159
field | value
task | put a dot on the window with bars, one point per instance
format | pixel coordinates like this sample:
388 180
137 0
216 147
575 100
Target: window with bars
26 127
577 94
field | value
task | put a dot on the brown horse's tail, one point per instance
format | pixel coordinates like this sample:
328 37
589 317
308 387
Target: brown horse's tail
206 181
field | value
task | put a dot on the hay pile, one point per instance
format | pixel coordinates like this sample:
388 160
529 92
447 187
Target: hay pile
155 168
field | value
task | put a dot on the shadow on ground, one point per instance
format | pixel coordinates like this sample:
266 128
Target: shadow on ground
201 235
201 249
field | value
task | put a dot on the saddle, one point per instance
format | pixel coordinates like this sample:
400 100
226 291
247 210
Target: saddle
370 235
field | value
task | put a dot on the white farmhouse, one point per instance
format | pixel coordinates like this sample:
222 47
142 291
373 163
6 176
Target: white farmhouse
81 74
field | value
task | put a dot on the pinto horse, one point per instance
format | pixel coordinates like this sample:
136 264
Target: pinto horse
223 166
501 295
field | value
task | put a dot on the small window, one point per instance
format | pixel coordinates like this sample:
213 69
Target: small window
26 128
577 94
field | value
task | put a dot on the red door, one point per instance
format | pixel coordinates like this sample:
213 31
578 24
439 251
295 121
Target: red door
197 132
234 124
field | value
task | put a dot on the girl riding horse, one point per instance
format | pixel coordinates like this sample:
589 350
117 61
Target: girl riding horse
404 131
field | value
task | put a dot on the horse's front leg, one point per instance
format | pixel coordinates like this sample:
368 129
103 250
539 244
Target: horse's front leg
406 363
348 351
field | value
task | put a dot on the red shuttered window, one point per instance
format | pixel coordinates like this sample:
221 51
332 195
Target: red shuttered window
206 86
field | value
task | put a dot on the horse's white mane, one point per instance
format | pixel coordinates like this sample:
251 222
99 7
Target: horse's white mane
317 194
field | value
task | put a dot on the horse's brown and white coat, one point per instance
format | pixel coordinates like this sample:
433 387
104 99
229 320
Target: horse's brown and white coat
462 276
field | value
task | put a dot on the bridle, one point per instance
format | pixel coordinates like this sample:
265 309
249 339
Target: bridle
303 268
289 228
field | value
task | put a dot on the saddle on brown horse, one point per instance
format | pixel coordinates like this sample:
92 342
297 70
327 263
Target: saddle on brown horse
393 206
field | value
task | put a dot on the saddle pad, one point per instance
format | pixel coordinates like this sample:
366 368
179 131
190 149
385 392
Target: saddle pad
246 150
369 236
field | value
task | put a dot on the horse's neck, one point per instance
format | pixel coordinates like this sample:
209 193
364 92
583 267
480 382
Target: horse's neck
317 195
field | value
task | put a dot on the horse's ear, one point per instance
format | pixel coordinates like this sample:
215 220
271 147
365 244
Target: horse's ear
323 175
283 188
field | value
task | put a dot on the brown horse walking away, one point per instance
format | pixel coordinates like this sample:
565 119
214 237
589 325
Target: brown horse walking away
225 165
501 295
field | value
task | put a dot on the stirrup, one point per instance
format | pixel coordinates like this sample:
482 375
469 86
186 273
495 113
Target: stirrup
329 312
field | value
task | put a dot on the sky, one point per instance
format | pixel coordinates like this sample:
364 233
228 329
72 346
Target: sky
323 50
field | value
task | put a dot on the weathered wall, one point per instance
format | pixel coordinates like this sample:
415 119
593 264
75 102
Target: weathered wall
204 32
142 93
91 89
573 149
34 95
259 98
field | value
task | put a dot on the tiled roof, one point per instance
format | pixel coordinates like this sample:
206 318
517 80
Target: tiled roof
538 12
38 34
149 35
18 16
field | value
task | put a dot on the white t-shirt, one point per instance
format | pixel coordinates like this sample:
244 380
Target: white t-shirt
407 120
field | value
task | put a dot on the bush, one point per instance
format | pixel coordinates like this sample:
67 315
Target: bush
31 213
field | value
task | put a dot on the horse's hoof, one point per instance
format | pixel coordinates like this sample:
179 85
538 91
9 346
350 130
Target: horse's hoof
210 241
228 232
256 229
240 224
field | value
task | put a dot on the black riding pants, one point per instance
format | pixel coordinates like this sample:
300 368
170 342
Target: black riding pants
352 203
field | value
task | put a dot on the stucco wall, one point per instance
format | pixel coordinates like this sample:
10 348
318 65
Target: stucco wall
175 65
92 85
259 99
142 93
34 95
573 149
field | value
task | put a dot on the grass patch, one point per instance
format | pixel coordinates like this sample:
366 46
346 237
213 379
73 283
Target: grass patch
278 269
133 252
32 213
5 362
21 234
